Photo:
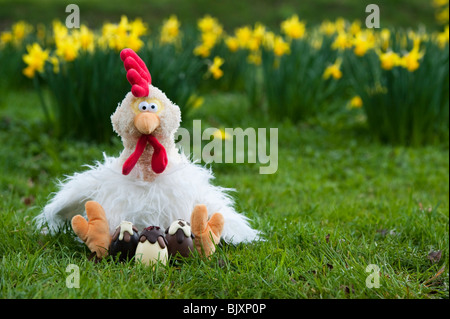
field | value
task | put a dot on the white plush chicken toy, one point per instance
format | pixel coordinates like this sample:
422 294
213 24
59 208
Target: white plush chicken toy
150 183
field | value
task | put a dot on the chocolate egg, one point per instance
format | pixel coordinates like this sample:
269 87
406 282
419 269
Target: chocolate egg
124 241
152 246
180 239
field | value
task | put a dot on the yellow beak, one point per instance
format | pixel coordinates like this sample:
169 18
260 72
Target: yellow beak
146 122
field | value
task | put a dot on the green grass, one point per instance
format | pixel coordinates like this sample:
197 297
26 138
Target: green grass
338 202
232 13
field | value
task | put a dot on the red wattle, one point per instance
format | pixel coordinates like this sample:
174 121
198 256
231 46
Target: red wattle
159 157
132 160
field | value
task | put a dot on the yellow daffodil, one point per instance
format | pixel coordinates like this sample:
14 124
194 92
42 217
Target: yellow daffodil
269 40
343 41
123 27
134 42
116 42
243 34
67 45
170 30
327 27
206 24
443 38
410 61
20 30
340 24
232 44
259 32
246 38
253 44
108 29
256 38
202 50
125 34
442 10
211 32
29 72
355 27
209 24
280 47
442 16
6 37
209 39
67 48
59 29
333 70
35 59
293 28
356 102
214 69
440 3
363 42
85 37
138 28
389 60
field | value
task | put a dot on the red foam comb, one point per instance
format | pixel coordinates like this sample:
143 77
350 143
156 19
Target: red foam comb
137 72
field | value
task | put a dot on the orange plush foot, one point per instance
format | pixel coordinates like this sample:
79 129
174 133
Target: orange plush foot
95 232
207 233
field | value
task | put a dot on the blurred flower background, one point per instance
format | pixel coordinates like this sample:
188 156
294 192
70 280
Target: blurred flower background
293 69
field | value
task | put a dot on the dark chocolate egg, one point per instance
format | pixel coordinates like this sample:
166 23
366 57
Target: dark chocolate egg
180 239
124 241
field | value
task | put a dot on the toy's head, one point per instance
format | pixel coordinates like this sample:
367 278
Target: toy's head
145 114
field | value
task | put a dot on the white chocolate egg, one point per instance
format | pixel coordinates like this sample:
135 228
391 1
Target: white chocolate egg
149 254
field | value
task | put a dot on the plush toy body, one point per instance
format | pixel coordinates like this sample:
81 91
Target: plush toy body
150 183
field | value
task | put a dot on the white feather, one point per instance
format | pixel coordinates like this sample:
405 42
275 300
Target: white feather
171 196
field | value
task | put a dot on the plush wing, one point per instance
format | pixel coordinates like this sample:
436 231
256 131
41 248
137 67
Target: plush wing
69 201
137 72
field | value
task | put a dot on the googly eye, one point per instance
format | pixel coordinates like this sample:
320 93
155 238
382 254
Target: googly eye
144 107
153 107
148 107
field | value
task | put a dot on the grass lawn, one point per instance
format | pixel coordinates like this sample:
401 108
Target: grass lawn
338 203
